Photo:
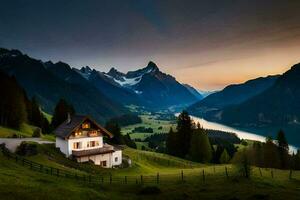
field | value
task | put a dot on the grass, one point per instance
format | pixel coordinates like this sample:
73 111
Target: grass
148 121
48 116
25 131
17 182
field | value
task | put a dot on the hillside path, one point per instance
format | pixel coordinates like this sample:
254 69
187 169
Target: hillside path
13 143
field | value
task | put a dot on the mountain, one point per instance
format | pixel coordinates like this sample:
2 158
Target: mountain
206 93
49 82
211 106
276 108
148 87
106 85
277 105
195 92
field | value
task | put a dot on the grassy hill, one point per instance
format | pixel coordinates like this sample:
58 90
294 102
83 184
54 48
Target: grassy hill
26 130
19 182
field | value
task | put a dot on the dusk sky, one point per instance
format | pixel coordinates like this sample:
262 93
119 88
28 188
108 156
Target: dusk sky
208 44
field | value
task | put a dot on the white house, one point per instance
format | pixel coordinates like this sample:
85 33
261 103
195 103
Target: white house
82 138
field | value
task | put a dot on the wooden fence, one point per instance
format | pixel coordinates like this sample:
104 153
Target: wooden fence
199 175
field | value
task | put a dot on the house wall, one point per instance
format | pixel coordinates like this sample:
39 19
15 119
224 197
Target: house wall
84 142
62 145
117 154
97 159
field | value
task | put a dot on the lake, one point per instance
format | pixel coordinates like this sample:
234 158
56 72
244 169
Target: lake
241 134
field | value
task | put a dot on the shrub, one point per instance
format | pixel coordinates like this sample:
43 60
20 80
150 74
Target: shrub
27 149
37 133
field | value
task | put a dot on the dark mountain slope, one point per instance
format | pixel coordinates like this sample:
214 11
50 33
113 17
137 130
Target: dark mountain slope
193 91
231 95
50 84
278 105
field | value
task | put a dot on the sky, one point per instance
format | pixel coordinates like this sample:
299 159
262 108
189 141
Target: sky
206 43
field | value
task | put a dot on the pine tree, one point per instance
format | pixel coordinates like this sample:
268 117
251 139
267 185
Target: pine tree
12 104
129 142
115 129
200 148
184 128
283 149
172 143
61 112
271 157
224 157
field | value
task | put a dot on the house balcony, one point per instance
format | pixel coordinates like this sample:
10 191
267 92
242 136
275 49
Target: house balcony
89 152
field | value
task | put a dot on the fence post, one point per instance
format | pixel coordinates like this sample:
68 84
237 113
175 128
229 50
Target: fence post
203 175
142 179
290 176
125 179
226 171
157 178
272 175
182 175
260 172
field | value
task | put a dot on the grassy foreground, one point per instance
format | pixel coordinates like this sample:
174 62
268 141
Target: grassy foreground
18 182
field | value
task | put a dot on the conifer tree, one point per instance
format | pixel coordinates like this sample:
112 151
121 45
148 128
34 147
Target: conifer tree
61 112
12 105
172 143
115 129
184 128
283 149
200 148
224 157
270 151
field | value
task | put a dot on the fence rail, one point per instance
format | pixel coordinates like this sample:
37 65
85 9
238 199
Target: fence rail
202 175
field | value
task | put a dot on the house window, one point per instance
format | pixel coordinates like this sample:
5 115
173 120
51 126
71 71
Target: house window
77 145
78 133
93 143
103 163
116 159
85 125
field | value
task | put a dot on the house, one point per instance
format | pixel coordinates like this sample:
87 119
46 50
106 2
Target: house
81 137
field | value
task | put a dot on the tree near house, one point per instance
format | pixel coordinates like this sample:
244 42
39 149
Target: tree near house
61 111
37 118
115 129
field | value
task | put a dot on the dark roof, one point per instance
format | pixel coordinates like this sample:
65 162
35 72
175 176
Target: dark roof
65 129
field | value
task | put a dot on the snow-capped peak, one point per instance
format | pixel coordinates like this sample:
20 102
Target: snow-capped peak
85 72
